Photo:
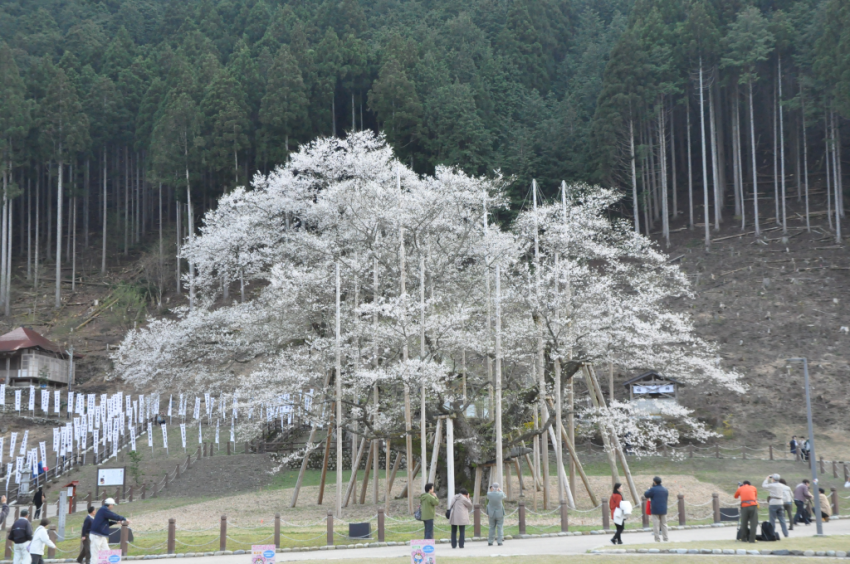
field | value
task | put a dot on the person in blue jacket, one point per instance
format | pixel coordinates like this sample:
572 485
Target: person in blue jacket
657 496
99 533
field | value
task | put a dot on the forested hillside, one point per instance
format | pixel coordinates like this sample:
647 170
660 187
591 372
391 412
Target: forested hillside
120 117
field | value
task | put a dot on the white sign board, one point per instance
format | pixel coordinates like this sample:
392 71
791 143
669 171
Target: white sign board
661 389
110 477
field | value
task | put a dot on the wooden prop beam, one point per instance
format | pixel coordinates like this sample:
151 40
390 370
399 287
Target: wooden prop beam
476 497
325 459
354 466
410 481
313 428
368 471
435 452
579 467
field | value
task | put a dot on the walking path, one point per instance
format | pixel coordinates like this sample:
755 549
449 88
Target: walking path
571 545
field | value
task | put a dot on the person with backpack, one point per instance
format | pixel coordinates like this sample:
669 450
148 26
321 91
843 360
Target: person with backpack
748 494
459 509
776 501
20 535
428 503
825 507
39 540
657 497
620 509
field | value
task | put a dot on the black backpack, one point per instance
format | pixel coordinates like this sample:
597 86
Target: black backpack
19 534
767 533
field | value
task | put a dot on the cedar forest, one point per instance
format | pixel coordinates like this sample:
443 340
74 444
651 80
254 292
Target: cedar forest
109 108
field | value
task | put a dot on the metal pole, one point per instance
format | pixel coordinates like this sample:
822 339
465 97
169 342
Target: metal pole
812 457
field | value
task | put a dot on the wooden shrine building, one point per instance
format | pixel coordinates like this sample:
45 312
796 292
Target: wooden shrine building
651 390
28 358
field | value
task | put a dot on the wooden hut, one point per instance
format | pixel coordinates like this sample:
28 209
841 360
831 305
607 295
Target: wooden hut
652 390
28 358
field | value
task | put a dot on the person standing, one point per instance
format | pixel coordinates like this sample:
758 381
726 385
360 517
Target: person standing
99 532
38 501
657 496
39 540
460 506
428 503
20 535
85 547
4 510
794 444
825 507
801 496
788 502
748 495
613 505
776 501
496 514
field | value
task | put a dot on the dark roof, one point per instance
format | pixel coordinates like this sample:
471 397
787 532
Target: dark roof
645 375
26 338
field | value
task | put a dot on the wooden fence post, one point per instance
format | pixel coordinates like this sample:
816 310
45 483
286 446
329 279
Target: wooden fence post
277 530
8 553
89 499
212 449
171 535
222 540
822 467
177 475
153 487
770 449
476 521
834 496
131 494
144 489
51 534
846 475
247 448
715 506
605 514
682 517
125 536
834 469
117 497
521 511
643 516
204 451
716 451
381 535
29 512
565 523
330 538
691 450
228 448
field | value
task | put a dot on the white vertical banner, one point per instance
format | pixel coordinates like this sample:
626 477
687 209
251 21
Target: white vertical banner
217 421
18 400
3 395
115 440
90 402
181 407
150 434
164 437
8 473
24 442
183 434
132 438
31 404
135 412
197 413
235 408
170 401
200 433
42 448
450 455
232 433
12 444
57 401
96 441
129 401
56 440
2 439
207 403
45 401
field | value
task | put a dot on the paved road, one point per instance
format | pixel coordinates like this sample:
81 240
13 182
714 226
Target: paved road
522 547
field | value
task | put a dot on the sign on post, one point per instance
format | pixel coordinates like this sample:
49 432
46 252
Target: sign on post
422 552
111 477
109 556
262 554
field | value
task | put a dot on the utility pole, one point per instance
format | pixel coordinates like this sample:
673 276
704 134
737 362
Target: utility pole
812 457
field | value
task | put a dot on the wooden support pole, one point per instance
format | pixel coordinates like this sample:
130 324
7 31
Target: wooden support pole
125 538
330 537
409 480
579 466
355 464
604 431
435 452
834 469
222 535
325 458
381 530
476 495
391 478
368 470
509 490
277 530
565 522
313 427
715 506
834 496
518 468
682 517
521 511
606 514
476 520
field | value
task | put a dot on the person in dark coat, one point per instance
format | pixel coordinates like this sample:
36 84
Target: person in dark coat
20 535
85 537
657 496
4 509
38 501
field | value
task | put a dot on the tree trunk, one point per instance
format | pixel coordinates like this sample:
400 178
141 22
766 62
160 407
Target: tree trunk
836 182
755 172
690 169
3 245
776 155
86 203
179 241
827 166
74 247
35 263
161 266
58 296
805 157
718 189
739 170
103 226
704 159
29 229
781 144
9 265
674 190
636 207
662 153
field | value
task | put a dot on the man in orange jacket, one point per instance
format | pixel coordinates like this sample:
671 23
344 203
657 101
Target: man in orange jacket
748 495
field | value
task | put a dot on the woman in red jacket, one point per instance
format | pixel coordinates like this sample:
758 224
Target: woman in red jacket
613 504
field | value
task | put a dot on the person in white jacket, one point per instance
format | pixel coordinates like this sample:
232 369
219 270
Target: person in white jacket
777 501
40 539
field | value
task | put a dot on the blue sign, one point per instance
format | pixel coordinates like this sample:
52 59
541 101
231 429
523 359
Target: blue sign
268 554
427 549
114 559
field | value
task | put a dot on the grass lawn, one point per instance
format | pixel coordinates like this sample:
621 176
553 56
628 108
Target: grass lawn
599 559
835 542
